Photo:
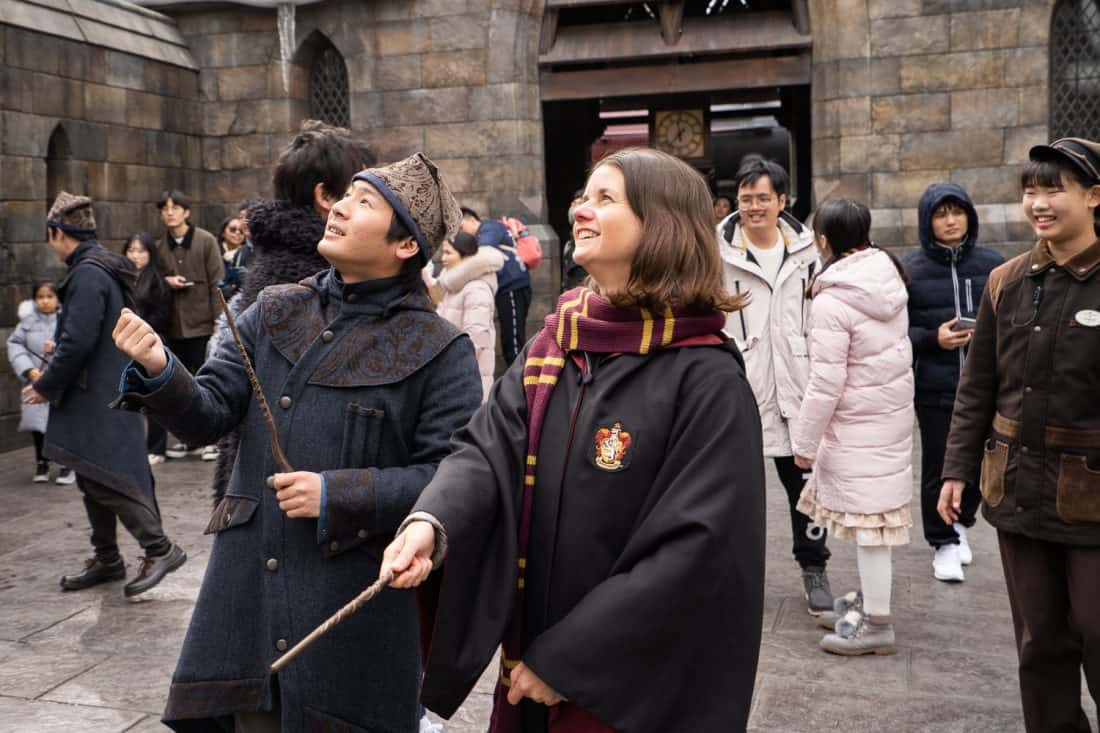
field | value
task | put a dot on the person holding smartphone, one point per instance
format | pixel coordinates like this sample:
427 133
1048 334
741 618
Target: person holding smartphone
948 274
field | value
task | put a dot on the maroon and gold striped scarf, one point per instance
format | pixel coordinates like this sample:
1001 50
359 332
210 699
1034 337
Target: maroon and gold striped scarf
582 322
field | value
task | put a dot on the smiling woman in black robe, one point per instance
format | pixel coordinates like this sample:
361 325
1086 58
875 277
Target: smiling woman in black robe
602 516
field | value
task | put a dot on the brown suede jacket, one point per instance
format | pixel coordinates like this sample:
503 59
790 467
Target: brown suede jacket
1026 426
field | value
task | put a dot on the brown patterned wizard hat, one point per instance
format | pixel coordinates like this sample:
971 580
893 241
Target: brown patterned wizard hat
421 199
71 214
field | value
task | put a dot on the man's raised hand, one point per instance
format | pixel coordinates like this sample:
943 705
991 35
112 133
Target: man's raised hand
137 339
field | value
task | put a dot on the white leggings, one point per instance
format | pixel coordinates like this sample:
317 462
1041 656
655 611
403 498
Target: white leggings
875 578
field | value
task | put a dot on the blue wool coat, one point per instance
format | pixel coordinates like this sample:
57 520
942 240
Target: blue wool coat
943 284
366 384
83 433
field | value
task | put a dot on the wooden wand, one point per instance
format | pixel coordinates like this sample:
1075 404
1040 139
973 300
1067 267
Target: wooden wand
280 459
356 603
265 410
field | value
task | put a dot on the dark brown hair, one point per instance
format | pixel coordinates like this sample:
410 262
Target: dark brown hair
676 263
319 153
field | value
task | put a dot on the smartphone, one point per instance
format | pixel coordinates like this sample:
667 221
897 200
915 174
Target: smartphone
188 283
964 324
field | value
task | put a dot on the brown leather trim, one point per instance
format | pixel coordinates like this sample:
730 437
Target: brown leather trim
1010 272
1074 438
1006 426
1082 265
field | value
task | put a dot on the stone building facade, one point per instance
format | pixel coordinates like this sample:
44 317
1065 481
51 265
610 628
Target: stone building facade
123 100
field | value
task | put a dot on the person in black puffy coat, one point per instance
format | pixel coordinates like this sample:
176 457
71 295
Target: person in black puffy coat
947 277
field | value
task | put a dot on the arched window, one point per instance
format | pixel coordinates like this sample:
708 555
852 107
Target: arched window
59 159
328 85
1075 69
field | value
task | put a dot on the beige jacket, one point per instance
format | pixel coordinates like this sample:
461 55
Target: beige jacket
468 296
772 331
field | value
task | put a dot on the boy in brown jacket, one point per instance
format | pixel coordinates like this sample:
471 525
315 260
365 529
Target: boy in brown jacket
1026 431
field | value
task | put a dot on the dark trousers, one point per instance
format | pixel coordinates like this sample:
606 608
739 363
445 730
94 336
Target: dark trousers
512 310
39 441
1055 597
192 351
808 541
104 505
935 422
156 439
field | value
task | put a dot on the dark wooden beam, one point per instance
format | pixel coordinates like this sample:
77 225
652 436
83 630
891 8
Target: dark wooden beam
579 3
672 17
800 11
549 34
772 71
636 40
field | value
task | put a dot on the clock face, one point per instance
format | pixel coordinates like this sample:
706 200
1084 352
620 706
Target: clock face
680 132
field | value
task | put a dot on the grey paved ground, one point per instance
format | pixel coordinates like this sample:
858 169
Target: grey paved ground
92 661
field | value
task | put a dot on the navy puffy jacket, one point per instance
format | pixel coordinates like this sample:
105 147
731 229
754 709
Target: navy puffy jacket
944 283
514 275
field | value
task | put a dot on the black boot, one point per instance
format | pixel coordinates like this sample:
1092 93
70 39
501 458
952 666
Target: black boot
95 572
153 570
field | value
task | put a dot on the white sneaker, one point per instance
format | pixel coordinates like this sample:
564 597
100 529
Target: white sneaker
65 477
966 555
210 453
155 459
427 726
182 450
946 565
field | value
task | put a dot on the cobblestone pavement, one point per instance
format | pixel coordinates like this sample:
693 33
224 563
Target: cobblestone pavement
92 661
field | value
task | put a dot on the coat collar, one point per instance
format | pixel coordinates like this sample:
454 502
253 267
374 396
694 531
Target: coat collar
188 236
1081 266
485 261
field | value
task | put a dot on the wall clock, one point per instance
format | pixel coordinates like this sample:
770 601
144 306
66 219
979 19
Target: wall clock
681 132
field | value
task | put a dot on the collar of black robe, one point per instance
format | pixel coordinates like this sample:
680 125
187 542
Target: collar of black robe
185 242
80 252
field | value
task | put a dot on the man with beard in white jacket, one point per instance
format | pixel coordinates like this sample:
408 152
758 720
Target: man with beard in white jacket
770 255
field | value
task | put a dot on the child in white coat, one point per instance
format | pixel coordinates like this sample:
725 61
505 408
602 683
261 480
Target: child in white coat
29 349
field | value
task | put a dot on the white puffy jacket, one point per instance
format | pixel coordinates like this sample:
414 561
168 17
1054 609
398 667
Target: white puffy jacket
773 330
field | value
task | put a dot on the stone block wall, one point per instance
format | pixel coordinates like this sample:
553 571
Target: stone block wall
456 80
115 126
910 92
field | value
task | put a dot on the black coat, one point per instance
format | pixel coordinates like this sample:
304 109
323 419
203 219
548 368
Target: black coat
153 300
644 585
366 386
283 250
82 378
943 283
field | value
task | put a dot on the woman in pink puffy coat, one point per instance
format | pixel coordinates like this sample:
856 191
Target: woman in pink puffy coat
855 426
468 284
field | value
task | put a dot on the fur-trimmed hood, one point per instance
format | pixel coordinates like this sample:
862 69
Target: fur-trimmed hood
285 238
486 261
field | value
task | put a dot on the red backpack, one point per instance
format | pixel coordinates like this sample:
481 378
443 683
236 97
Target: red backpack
527 245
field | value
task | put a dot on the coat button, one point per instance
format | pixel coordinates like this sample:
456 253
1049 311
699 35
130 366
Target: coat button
361 534
272 564
327 336
281 645
285 402
1038 328
334 546
1025 449
1028 390
270 482
1019 509
143 410
352 297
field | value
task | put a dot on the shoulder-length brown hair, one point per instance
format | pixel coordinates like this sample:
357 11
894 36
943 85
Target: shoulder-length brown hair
676 263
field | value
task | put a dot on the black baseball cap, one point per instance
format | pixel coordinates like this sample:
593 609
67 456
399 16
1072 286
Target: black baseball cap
1084 155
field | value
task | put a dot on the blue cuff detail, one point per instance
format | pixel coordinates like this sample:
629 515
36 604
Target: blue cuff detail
321 518
134 376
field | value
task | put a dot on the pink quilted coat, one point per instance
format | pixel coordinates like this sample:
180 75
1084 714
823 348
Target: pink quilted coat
856 418
468 291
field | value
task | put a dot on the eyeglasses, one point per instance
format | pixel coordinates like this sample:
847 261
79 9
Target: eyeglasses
233 230
761 200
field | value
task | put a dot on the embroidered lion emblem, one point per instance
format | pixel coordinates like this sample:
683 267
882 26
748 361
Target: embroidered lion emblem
612 445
